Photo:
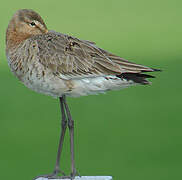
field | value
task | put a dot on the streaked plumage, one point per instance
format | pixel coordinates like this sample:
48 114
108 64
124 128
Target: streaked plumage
60 65
55 64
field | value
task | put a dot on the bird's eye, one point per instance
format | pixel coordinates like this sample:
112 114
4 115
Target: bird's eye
32 24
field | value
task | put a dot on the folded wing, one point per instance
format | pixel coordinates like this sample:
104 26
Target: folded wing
72 58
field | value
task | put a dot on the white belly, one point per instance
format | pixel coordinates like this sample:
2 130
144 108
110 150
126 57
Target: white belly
57 87
87 86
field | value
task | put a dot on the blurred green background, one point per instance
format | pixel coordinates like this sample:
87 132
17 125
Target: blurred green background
132 134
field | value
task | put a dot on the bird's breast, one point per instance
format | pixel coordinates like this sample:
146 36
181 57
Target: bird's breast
36 76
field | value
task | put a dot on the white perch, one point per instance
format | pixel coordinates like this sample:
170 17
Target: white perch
82 178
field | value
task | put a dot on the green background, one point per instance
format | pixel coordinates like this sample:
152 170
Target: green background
131 134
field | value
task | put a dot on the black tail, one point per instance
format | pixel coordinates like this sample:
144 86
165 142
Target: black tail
136 77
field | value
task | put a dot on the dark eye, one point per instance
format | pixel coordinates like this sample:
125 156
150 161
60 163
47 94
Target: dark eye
32 24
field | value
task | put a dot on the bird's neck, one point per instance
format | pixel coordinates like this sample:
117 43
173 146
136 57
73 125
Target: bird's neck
13 38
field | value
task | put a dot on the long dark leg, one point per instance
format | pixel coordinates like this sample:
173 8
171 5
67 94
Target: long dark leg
71 130
63 130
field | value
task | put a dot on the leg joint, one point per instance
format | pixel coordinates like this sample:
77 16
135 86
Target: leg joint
70 124
64 123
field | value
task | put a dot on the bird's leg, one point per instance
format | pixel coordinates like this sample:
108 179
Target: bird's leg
63 130
71 130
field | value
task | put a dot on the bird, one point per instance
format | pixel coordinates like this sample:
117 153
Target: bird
61 65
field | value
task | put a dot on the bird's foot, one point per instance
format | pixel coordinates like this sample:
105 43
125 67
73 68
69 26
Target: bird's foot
54 175
51 176
73 174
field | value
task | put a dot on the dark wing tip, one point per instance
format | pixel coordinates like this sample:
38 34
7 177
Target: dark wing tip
151 70
136 77
156 69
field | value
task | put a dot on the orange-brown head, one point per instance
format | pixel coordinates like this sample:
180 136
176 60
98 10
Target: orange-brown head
24 24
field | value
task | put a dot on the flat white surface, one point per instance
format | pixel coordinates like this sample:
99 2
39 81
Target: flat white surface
82 178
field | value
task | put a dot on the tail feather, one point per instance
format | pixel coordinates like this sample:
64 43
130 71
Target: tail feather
136 77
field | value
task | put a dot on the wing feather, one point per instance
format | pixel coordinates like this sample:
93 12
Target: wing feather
71 58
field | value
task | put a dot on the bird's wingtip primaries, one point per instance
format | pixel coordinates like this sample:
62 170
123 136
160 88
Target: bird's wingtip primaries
156 69
151 70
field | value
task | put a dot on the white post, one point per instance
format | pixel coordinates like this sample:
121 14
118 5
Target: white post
82 178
